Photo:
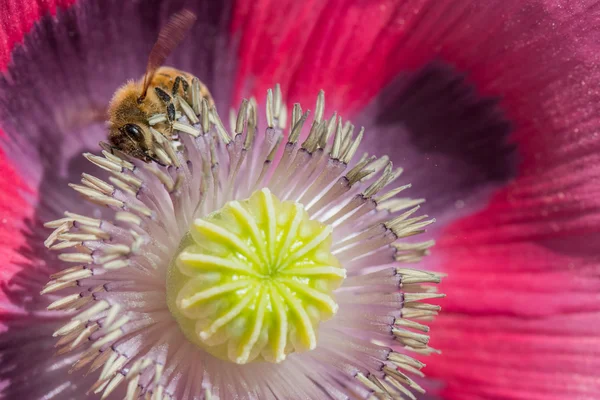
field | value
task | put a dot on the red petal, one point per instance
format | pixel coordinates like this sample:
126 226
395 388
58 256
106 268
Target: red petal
521 317
13 212
306 46
17 18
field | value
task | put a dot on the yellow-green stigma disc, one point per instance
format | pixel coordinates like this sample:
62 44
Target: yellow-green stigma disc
254 279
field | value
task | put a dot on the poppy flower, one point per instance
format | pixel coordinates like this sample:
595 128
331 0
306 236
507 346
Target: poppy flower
446 91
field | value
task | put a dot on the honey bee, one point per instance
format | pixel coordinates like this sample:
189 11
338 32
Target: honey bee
136 101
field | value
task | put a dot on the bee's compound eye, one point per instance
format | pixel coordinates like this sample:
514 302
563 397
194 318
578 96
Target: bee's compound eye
133 131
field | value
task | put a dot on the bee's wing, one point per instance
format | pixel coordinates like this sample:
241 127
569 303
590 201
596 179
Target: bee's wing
168 39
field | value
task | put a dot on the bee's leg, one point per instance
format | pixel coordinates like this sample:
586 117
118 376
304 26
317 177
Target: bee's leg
108 147
168 100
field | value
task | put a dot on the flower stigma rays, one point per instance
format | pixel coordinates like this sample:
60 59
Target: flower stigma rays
278 253
255 273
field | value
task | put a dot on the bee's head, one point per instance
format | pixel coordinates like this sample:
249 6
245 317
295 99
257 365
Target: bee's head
134 139
128 128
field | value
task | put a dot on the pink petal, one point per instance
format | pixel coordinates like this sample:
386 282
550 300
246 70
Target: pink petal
17 17
13 212
523 291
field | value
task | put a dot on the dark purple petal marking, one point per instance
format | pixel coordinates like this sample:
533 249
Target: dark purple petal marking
452 143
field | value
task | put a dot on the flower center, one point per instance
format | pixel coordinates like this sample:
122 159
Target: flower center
254 279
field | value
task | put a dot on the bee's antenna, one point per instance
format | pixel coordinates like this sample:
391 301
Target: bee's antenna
168 39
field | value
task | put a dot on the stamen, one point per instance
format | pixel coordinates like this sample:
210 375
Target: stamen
186 129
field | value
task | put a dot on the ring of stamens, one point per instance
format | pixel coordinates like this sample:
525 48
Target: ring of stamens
255 280
116 290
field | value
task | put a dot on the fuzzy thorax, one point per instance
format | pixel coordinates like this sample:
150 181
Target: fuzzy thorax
254 280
